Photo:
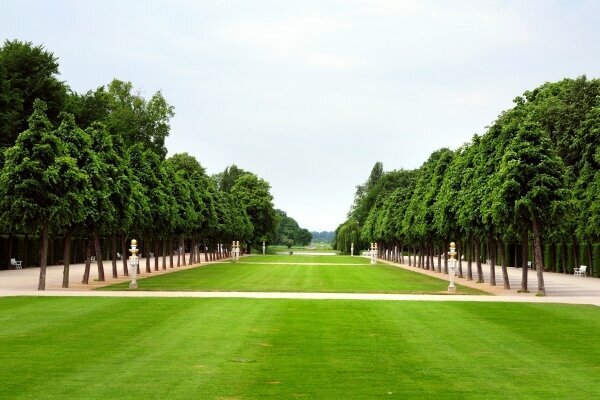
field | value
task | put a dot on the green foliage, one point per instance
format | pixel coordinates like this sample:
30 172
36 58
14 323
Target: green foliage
40 181
531 177
253 194
227 179
346 234
289 232
126 114
27 73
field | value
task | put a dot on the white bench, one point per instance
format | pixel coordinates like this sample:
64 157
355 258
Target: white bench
581 270
16 264
92 258
119 256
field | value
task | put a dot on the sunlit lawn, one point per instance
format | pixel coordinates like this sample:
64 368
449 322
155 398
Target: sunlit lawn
305 273
165 348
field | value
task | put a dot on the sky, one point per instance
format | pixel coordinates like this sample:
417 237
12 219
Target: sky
308 94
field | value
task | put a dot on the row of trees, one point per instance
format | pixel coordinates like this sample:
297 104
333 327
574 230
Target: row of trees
96 171
525 190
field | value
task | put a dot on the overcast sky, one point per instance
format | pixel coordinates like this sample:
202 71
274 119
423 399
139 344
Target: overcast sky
310 94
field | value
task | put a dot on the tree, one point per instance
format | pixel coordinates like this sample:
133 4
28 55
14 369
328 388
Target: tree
227 179
27 73
364 199
253 193
77 144
126 114
289 232
532 185
346 234
37 184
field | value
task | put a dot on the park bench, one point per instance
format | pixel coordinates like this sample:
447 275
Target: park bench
119 256
151 254
580 271
92 258
15 264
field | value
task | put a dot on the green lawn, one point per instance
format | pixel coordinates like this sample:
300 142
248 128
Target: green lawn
299 249
167 348
297 274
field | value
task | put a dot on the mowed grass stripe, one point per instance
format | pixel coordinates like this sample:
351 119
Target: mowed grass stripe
259 277
271 349
302 259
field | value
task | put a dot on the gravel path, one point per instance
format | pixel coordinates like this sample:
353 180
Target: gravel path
560 288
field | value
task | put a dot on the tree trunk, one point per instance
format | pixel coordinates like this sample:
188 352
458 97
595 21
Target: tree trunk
524 259
99 257
147 248
198 249
563 261
10 247
504 261
171 252
492 255
50 252
164 254
538 257
66 259
459 254
445 260
470 260
439 259
478 260
88 255
192 246
43 257
590 258
26 251
575 254
114 256
183 251
156 254
124 254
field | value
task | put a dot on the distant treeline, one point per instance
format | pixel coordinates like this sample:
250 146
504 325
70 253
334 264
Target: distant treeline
289 232
325 236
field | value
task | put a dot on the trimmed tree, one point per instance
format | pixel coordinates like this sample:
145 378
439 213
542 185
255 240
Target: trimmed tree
37 184
531 176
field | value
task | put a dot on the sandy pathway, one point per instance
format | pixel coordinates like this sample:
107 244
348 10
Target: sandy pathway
560 288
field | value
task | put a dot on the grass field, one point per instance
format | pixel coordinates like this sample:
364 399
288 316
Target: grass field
165 348
272 273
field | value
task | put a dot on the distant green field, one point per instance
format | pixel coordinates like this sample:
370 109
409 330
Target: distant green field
318 249
217 349
304 258
298 273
